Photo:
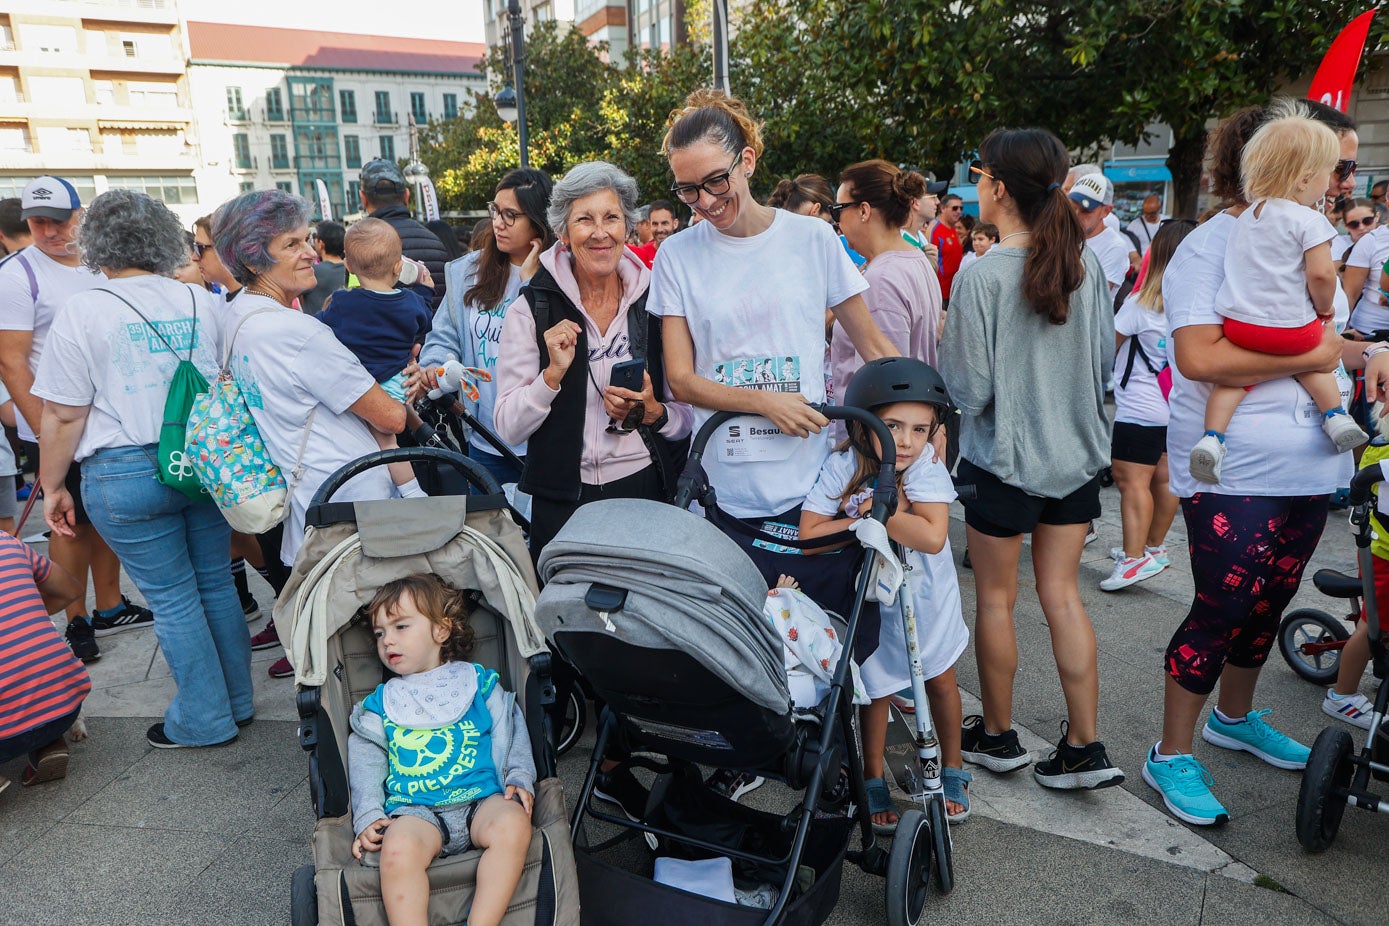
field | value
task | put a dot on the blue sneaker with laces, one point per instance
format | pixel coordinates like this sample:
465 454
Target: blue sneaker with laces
1256 736
1185 786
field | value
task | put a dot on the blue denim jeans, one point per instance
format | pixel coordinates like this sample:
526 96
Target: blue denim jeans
178 553
499 466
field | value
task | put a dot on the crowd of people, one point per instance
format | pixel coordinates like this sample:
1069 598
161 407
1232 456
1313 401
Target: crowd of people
609 334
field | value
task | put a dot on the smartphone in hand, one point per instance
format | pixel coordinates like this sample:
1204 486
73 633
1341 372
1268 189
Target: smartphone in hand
628 375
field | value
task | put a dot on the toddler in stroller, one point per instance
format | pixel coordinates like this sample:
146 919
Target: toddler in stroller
438 759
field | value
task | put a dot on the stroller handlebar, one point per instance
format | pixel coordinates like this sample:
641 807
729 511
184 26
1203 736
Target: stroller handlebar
1363 481
884 497
473 472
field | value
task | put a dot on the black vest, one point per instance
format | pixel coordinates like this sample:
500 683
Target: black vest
554 450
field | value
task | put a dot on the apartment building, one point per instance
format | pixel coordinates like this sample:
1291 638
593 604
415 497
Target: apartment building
95 90
287 107
627 24
494 17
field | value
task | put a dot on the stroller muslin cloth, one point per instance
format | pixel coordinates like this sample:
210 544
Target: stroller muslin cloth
811 644
710 877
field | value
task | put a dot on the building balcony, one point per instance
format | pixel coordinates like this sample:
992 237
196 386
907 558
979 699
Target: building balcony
385 118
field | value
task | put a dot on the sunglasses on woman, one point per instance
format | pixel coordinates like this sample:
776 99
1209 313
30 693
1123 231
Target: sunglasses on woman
1356 223
837 209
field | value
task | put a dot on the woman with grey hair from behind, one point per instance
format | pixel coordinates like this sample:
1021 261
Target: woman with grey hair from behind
105 376
580 370
316 406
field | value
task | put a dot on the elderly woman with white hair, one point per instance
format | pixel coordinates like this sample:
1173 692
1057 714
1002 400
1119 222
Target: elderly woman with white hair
582 315
105 376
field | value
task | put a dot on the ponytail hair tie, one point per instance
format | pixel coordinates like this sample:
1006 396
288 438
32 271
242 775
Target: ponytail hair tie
1053 187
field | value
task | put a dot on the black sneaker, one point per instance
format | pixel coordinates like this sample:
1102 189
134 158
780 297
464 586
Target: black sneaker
82 640
156 737
129 617
619 786
997 752
733 785
1075 768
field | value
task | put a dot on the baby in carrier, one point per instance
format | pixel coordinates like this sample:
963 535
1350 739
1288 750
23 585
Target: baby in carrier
439 759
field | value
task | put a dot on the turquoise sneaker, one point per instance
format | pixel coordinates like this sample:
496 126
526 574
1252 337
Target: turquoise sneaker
1185 786
1256 737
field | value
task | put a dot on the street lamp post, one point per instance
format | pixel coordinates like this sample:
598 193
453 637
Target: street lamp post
511 103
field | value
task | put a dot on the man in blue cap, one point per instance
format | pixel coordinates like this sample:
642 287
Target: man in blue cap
385 195
34 286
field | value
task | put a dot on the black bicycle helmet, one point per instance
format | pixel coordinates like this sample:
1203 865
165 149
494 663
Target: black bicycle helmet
895 379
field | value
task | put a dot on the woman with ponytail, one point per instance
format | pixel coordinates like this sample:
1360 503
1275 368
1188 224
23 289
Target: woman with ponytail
1028 345
808 194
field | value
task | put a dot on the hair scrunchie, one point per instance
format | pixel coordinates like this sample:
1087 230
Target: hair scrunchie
1053 187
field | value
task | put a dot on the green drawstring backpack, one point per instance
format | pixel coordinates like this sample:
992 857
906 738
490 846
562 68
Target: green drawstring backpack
175 468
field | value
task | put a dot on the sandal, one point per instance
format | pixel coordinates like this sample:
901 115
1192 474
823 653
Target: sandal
880 801
955 783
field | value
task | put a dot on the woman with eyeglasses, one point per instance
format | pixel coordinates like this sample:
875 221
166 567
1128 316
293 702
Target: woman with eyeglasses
751 284
1028 347
480 288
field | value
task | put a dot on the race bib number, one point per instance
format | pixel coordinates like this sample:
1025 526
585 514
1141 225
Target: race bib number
757 439
1307 411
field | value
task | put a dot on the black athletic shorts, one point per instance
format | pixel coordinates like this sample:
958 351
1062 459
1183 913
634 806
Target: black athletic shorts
1001 510
1143 444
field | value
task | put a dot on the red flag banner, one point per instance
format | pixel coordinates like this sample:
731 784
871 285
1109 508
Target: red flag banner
1334 79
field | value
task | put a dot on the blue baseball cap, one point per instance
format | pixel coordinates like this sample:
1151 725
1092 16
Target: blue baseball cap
49 198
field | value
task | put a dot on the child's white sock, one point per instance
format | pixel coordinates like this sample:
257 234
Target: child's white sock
411 489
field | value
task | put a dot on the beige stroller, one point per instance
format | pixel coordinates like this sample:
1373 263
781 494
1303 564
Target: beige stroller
350 550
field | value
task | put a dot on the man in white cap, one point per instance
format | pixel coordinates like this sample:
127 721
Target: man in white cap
1092 197
34 286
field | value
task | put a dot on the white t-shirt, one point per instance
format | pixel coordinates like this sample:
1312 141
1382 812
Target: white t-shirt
1112 250
967 258
1111 221
19 312
1275 444
8 465
941 634
1141 401
100 353
756 311
288 364
1265 264
1340 247
1145 231
1370 253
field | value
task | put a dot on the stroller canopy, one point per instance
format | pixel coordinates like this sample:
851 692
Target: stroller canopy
341 565
688 588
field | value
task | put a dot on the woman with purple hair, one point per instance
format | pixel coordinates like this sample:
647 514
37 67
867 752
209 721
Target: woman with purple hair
316 406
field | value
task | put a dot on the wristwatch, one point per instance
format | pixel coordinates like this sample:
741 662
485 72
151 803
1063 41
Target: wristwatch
665 416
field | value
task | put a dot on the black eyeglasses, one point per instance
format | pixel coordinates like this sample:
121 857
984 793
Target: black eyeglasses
717 185
837 209
508 216
1345 168
1356 223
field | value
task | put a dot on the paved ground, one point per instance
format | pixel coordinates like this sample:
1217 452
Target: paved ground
142 836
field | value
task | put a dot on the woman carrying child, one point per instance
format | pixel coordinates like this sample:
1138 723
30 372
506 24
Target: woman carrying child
1138 450
439 761
910 399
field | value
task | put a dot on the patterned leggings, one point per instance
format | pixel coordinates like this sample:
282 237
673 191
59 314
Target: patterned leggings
1247 558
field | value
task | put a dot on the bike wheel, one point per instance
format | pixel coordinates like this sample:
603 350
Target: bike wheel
909 870
1319 810
1310 626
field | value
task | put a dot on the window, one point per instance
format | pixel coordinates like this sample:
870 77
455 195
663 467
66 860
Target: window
246 186
154 95
316 149
169 190
241 146
6 38
105 92
57 91
59 140
353 193
9 90
50 40
235 108
388 147
383 107
274 105
450 106
128 48
311 100
352 150
285 185
279 152
15 139
417 108
347 102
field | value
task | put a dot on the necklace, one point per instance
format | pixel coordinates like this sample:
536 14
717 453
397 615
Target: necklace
1013 235
256 292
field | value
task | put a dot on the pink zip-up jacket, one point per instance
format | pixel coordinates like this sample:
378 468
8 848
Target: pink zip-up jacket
523 398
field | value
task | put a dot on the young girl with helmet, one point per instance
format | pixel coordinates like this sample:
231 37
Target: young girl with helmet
910 398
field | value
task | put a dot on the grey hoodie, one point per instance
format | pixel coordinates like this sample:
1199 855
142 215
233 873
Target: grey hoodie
414 701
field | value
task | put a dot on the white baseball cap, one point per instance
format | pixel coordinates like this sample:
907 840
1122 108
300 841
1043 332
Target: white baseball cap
1093 191
49 198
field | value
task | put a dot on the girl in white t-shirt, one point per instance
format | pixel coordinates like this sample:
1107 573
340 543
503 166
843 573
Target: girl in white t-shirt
1279 277
909 397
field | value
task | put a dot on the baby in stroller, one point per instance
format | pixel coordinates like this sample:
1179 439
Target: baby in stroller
438 759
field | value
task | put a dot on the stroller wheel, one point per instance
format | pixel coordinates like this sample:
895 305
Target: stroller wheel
941 844
303 898
1319 810
909 870
572 721
1309 628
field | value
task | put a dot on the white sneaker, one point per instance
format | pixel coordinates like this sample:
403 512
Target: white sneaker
1091 535
1353 709
1206 458
1128 571
1343 431
1159 555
